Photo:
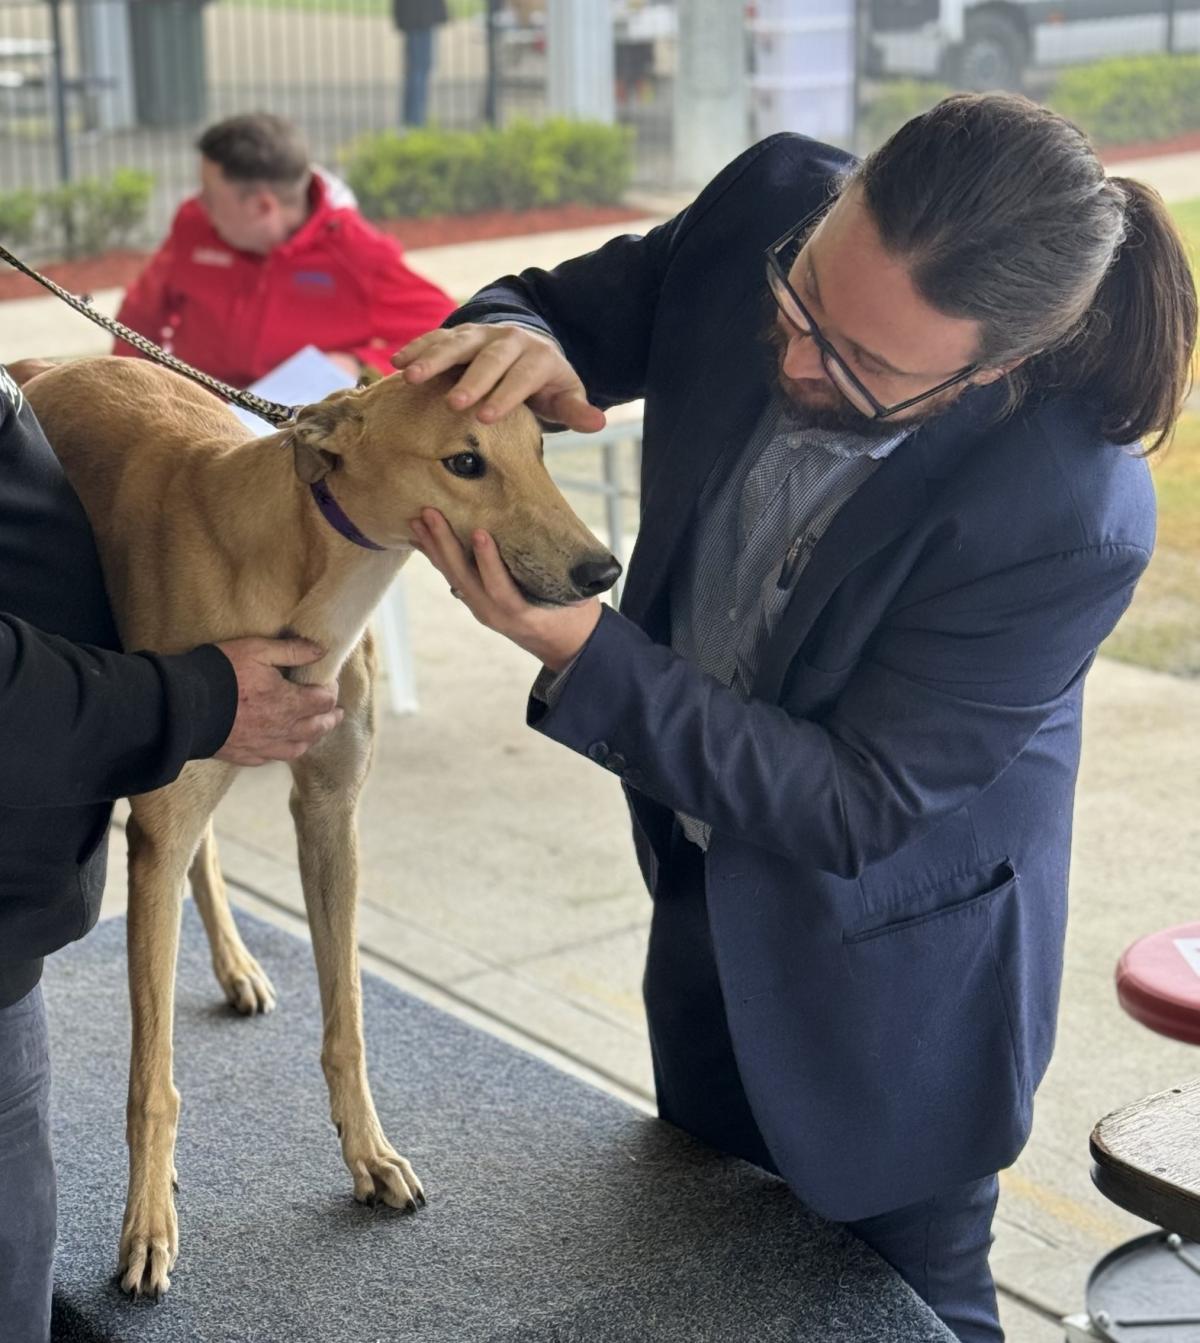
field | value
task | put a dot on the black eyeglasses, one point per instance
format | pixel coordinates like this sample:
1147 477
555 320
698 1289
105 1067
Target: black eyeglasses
801 320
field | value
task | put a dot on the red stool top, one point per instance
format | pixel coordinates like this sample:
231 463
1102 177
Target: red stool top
1158 982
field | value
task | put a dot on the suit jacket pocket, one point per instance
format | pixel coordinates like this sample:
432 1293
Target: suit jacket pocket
895 1054
973 893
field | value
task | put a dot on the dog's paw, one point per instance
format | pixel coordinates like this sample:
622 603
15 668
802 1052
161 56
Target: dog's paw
244 981
149 1248
382 1175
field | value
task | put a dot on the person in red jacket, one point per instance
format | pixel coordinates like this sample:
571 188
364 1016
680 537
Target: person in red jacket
269 258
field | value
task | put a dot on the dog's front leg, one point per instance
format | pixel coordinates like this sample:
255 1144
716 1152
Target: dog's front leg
327 783
162 832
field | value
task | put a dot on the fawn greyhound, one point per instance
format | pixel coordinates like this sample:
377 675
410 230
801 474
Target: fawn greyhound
206 534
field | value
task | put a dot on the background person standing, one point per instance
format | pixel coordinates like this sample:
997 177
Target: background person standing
417 19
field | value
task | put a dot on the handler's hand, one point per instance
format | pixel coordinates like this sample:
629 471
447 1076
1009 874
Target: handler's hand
506 365
553 634
276 719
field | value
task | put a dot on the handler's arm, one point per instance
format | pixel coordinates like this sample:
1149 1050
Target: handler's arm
953 689
82 724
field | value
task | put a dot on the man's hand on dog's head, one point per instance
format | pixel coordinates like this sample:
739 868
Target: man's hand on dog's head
505 366
277 719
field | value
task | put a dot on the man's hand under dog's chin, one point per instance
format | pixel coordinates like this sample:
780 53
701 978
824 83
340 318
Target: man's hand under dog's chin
553 634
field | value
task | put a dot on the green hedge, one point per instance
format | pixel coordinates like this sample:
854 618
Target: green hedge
1135 98
897 101
80 219
1116 102
428 172
18 217
94 215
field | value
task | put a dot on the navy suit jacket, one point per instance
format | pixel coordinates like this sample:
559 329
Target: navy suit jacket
891 810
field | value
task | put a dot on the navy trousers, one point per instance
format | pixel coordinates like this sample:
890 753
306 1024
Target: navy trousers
939 1246
28 1190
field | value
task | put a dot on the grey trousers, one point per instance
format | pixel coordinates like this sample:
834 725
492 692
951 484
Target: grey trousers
28 1190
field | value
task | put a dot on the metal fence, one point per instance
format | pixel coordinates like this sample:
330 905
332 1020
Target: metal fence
89 86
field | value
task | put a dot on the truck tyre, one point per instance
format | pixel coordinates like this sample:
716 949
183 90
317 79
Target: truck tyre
992 56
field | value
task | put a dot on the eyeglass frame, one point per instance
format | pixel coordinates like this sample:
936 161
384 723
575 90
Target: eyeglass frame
823 343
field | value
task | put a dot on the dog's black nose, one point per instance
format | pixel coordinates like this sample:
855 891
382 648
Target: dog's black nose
595 576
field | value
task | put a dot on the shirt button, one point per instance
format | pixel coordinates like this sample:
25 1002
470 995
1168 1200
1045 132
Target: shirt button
598 751
615 762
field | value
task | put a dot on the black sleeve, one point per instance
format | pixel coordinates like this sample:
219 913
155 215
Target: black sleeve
81 724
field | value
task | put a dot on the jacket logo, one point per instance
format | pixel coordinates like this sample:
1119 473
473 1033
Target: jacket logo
211 256
313 279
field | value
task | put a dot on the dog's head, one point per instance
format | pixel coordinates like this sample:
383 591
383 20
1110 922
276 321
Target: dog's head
391 448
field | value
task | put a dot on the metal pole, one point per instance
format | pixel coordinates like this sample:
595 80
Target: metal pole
1171 26
491 91
860 47
711 109
580 50
105 64
60 93
61 131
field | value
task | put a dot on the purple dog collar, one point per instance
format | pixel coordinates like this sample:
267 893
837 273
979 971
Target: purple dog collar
332 512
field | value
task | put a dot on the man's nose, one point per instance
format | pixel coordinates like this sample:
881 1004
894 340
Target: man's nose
802 358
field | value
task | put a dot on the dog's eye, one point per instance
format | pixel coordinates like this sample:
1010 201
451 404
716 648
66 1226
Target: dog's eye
468 465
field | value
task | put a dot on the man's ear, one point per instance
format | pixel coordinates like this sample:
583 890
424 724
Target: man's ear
263 202
988 375
315 435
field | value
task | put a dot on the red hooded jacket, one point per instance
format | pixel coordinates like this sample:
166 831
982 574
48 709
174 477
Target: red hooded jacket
336 283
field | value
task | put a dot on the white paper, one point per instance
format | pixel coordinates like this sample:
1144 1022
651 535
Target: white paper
300 380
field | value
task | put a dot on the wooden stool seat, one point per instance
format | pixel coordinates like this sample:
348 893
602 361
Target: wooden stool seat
1146 1158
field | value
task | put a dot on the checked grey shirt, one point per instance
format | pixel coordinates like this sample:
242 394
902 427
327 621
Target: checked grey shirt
759 524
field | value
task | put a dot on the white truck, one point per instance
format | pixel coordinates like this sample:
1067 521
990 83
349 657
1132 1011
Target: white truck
995 44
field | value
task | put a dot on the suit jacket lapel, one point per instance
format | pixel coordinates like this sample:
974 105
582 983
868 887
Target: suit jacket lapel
727 396
885 506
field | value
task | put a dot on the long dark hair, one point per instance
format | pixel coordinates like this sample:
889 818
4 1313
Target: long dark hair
1006 217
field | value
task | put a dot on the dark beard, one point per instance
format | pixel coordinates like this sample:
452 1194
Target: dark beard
837 413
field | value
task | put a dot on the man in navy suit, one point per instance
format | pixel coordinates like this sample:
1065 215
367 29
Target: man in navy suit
878 551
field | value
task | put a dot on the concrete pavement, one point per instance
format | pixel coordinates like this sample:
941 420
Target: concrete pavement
498 881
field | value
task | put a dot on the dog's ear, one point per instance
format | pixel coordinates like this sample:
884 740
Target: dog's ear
312 464
313 437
